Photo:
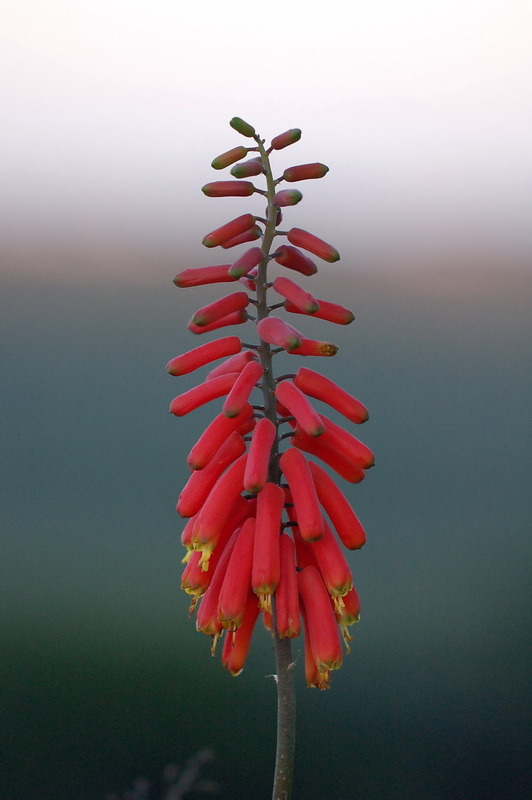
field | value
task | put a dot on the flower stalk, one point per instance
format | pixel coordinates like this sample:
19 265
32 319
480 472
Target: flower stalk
266 524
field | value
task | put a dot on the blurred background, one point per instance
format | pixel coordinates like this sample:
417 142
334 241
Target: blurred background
112 112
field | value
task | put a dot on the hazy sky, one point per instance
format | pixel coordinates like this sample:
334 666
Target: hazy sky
112 112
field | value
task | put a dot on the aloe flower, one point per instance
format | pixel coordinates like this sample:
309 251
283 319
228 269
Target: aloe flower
267 523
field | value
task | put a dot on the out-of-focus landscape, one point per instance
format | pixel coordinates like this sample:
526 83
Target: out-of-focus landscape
114 112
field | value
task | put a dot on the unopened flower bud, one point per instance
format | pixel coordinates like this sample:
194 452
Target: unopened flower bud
286 138
303 172
332 312
248 261
242 388
286 594
250 235
295 468
188 362
318 386
295 401
296 295
259 455
342 516
234 364
234 318
229 157
214 436
200 483
228 231
324 450
306 240
220 308
242 127
201 276
294 259
277 332
228 189
287 197
204 393
247 168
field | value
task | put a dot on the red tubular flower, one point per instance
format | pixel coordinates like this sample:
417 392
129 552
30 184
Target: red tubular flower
242 388
347 444
256 473
204 393
287 197
331 312
229 157
266 555
295 468
313 347
248 236
298 296
237 581
348 615
236 644
295 401
221 500
220 308
200 483
303 172
207 616
194 580
215 434
235 318
246 262
321 388
277 332
313 678
286 594
306 240
204 354
294 259
286 138
333 566
228 231
201 276
248 169
329 454
228 189
322 627
234 364
342 516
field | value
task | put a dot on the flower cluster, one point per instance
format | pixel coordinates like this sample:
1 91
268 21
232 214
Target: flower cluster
265 522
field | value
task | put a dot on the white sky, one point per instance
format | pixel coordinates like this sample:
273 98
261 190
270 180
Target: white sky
112 111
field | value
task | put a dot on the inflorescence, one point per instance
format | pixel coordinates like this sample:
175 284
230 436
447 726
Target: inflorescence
265 522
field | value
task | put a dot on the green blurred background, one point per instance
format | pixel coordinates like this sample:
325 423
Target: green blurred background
104 677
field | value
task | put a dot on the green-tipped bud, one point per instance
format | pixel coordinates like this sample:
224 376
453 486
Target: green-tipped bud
303 172
228 189
242 127
286 138
247 168
287 197
228 158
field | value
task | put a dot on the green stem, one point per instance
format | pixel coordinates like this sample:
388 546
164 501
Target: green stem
286 699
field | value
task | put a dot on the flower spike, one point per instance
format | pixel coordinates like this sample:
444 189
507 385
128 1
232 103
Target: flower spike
267 526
